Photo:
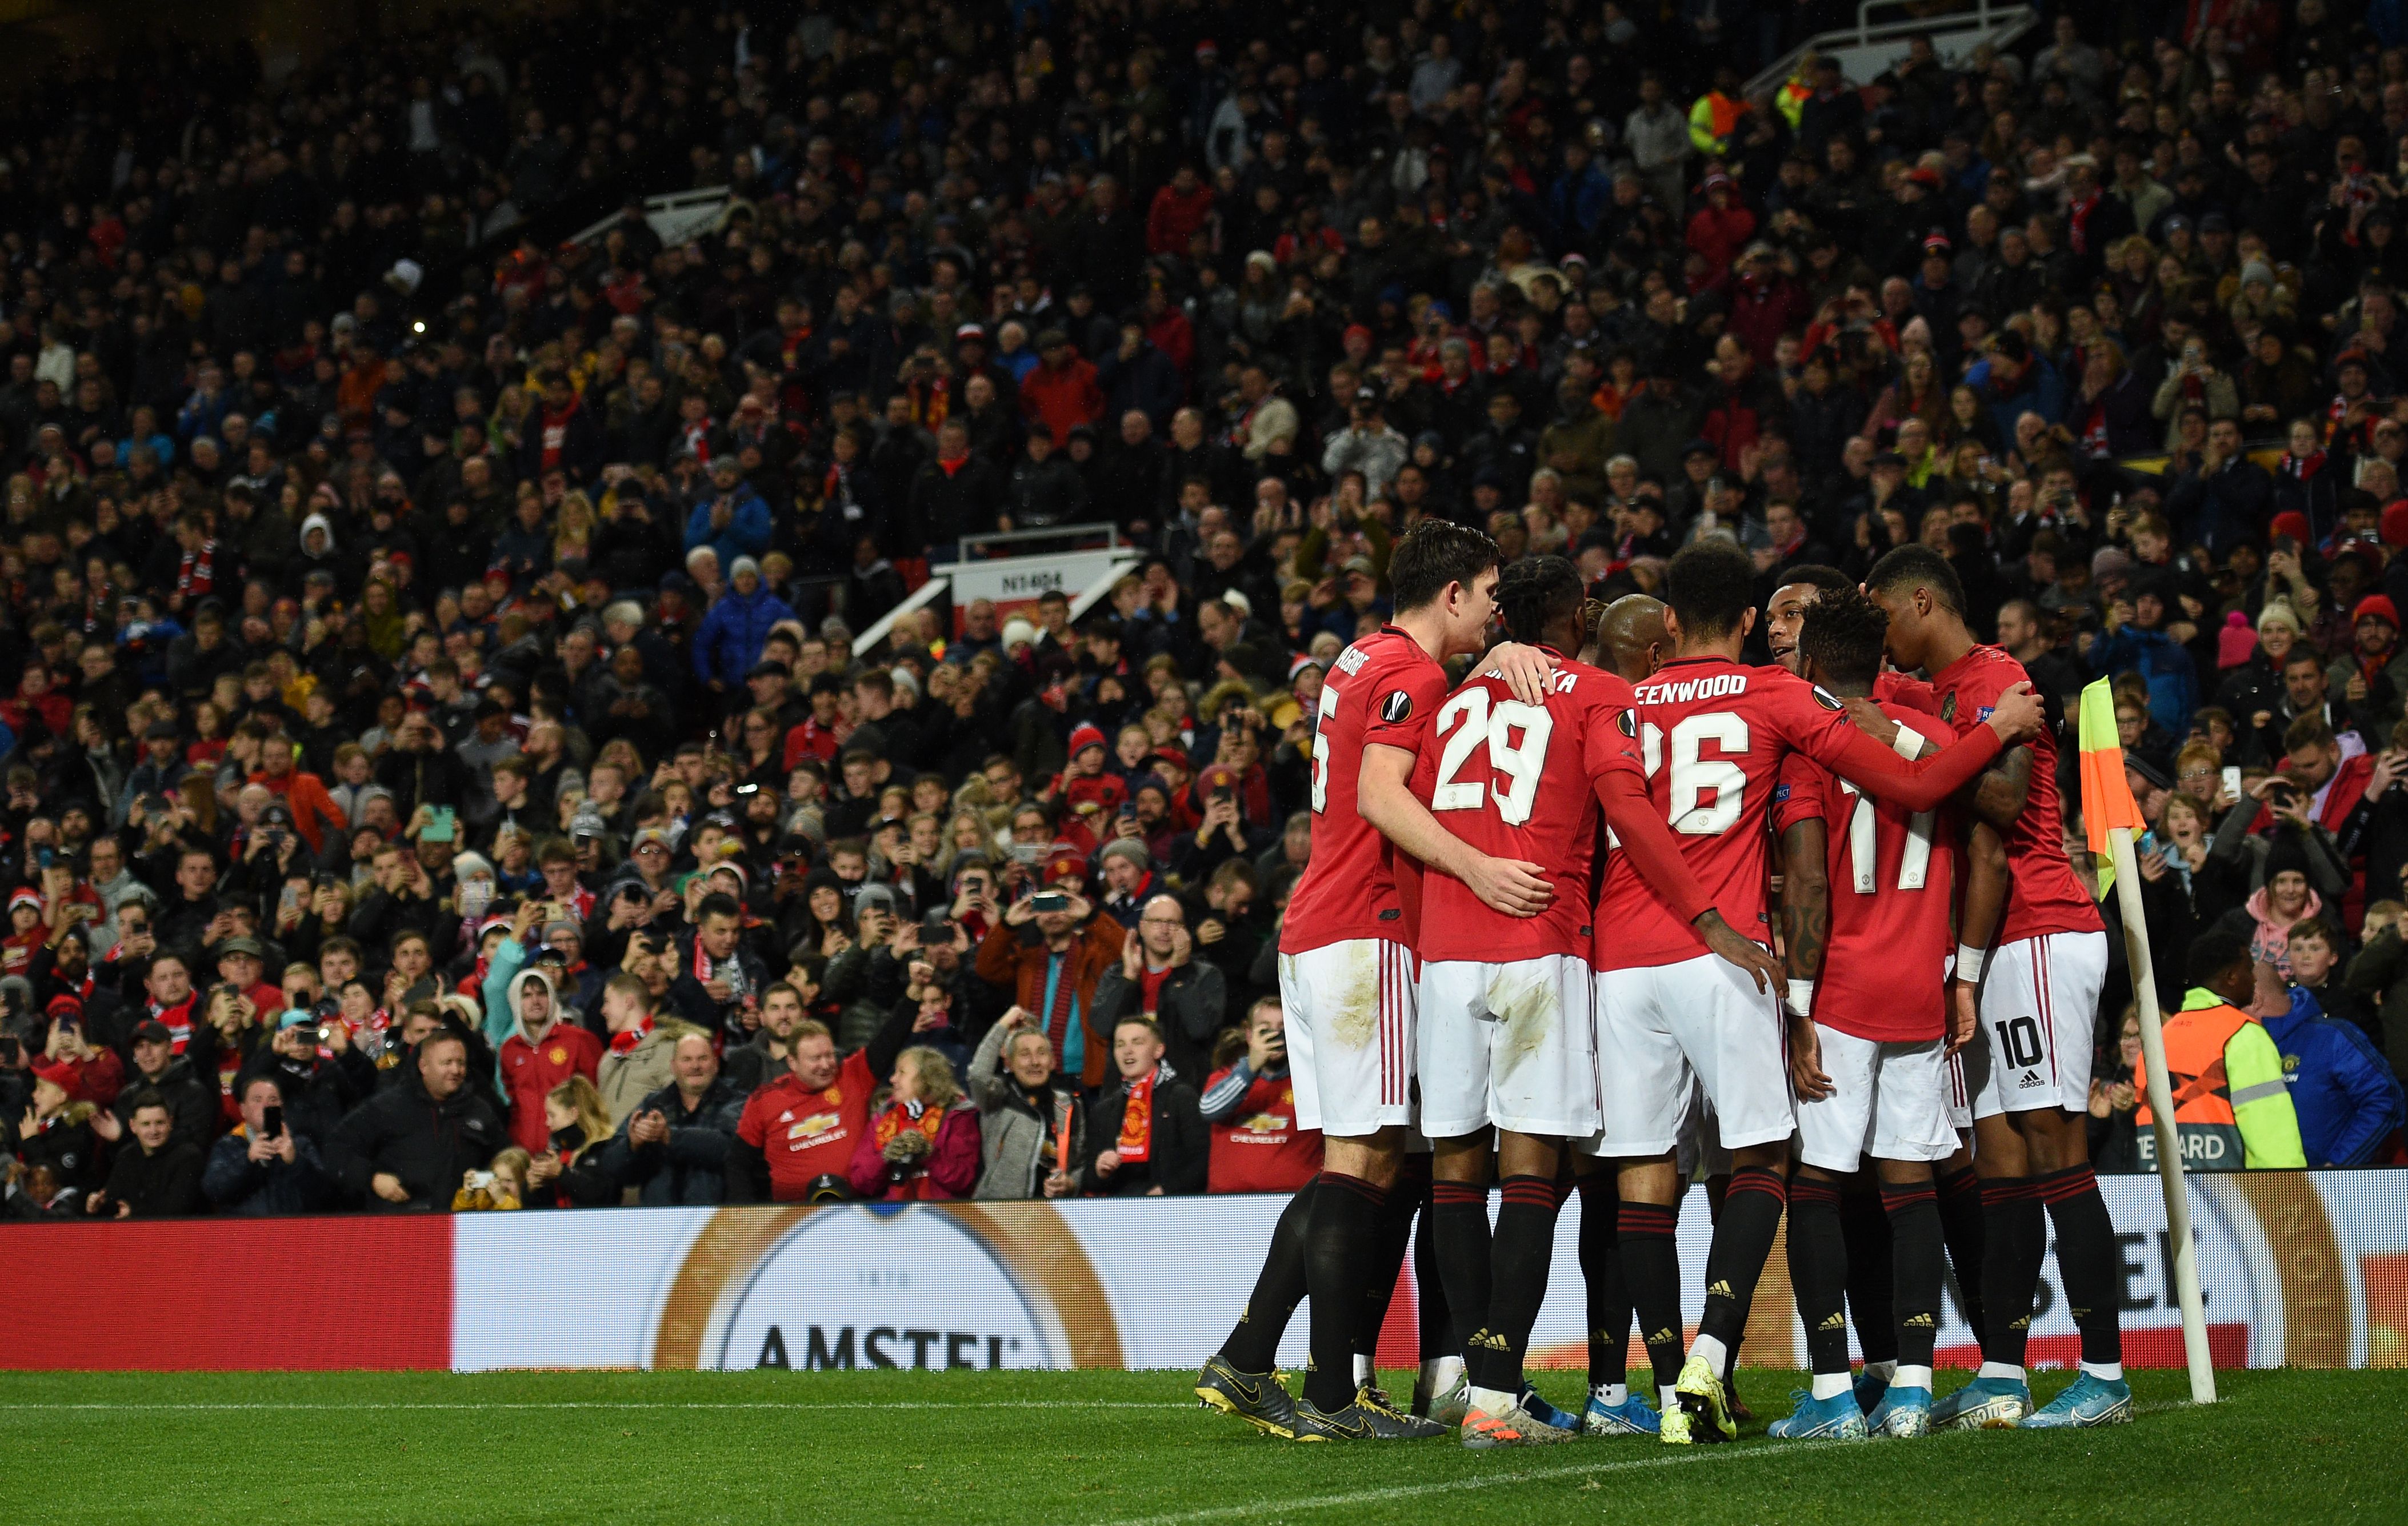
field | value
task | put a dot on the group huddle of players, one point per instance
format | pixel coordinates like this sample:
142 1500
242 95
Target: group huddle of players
1534 940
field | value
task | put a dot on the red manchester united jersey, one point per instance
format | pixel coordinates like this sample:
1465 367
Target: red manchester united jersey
2042 896
1713 735
1382 689
1892 872
1515 782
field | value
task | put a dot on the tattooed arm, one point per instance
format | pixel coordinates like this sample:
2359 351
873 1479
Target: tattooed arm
1805 932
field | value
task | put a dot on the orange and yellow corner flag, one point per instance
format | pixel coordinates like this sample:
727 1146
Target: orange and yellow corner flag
2106 795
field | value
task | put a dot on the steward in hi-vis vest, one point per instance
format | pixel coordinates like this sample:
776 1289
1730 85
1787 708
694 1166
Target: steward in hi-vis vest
2233 1109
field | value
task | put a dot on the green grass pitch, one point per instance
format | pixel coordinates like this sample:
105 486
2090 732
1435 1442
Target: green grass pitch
1068 1449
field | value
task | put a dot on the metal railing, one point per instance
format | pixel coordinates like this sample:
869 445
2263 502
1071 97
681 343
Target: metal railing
1981 21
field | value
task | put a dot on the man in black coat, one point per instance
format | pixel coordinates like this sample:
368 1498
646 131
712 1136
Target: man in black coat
411 1145
673 1147
1169 1154
155 1174
317 1091
252 1172
159 1071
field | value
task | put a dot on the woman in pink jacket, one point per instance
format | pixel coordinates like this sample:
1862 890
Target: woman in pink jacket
924 1144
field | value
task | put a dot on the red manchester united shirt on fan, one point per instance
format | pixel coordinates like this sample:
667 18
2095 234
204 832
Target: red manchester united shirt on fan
1383 689
1516 781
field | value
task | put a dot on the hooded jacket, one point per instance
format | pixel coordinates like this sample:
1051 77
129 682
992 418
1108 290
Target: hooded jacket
729 641
531 1069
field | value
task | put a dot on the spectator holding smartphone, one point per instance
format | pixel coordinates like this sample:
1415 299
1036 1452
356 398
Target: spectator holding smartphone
1050 951
264 1167
1249 1106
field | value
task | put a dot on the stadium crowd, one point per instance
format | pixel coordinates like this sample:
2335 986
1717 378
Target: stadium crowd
441 766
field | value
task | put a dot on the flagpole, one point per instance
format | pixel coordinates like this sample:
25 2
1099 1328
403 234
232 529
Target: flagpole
2161 1114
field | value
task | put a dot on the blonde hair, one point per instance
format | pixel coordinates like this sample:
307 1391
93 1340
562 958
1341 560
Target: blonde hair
581 1097
938 1086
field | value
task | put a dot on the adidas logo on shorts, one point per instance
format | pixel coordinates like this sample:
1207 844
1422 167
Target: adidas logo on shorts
2028 1082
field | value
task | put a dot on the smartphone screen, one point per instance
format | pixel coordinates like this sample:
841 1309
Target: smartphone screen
2233 782
272 1123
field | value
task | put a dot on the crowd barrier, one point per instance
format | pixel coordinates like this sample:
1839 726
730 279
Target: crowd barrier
2301 1269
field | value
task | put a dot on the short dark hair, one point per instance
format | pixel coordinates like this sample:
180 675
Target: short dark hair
1536 593
1817 577
1709 587
149 1097
1918 566
1843 634
718 904
2212 953
1433 554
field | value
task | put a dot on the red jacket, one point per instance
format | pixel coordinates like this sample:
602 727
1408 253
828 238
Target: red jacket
1718 237
1173 218
1062 400
313 809
530 1071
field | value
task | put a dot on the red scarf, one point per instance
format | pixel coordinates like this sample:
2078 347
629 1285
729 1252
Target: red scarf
178 1021
907 1115
625 1040
196 574
1137 1119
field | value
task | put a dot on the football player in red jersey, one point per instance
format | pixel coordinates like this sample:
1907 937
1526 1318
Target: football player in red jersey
1674 1017
2028 1066
1863 1221
1866 893
1346 979
1507 1030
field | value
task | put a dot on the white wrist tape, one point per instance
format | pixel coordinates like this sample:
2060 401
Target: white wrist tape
1800 999
1969 962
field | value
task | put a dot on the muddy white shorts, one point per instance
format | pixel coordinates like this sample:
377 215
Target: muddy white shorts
1512 1046
1701 1022
1350 1034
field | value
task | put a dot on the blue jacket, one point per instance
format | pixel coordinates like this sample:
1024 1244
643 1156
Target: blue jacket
2345 1096
729 640
2172 676
747 532
2039 390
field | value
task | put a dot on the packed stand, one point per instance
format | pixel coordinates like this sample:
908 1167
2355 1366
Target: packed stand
441 773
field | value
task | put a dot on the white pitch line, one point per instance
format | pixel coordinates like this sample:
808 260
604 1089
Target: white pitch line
205 1407
1695 1456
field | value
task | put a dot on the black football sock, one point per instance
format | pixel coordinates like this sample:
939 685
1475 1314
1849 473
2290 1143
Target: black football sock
1339 1240
1651 1262
1609 1296
1433 1314
1819 1271
1279 1288
1751 1217
1870 1287
2014 1229
1519 1255
2087 1261
1914 1210
1460 1210
1394 1240
1960 1227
